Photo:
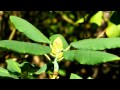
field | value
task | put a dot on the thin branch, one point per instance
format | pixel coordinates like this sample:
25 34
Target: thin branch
12 28
101 34
66 18
12 34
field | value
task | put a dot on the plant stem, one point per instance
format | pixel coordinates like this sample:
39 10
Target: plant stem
56 69
56 66
12 34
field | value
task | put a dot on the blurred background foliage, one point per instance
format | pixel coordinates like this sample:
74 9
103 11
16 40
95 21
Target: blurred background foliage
73 25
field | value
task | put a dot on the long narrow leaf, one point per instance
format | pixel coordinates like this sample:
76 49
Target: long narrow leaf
25 47
28 29
97 44
89 57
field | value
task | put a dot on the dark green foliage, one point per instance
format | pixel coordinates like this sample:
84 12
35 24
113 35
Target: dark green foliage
25 47
97 44
89 57
28 29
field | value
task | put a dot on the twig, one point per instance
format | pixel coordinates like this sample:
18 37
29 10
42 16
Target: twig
66 18
12 28
101 34
12 34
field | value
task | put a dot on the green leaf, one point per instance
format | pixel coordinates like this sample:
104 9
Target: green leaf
89 57
25 47
28 29
62 72
65 44
75 76
97 43
69 55
42 69
81 20
13 66
97 18
5 73
113 30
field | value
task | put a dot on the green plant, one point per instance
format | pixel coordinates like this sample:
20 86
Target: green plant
55 49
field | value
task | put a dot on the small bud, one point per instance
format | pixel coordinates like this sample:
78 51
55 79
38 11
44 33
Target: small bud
57 48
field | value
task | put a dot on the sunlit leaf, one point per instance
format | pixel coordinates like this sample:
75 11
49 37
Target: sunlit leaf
25 47
97 43
97 18
113 30
28 29
81 20
13 66
89 57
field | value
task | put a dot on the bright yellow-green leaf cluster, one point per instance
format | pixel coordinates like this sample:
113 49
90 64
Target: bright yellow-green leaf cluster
57 48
